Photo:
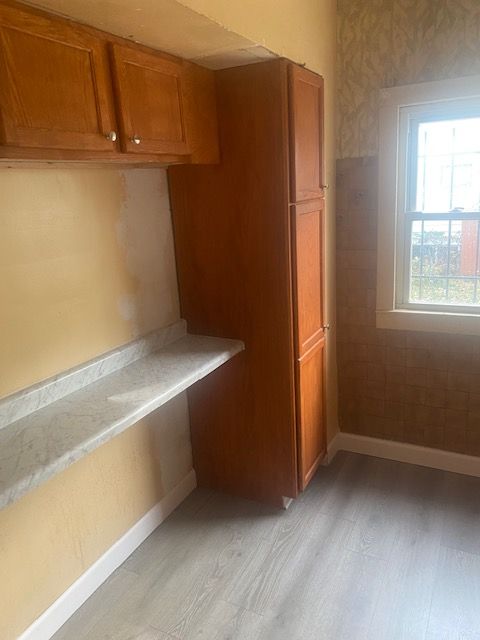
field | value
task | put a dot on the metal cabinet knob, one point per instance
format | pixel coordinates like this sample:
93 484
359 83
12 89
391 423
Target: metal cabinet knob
111 135
136 139
326 327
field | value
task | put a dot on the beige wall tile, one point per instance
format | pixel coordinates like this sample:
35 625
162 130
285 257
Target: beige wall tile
416 387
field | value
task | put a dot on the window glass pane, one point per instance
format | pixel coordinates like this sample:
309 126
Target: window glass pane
415 294
416 250
461 291
435 248
445 262
448 166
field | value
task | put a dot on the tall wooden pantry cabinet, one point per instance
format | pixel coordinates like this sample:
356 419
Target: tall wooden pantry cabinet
249 248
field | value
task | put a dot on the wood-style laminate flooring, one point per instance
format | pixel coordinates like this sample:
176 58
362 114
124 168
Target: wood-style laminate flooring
374 550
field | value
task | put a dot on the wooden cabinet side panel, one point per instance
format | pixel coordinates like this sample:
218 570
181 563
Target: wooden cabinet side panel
232 242
200 108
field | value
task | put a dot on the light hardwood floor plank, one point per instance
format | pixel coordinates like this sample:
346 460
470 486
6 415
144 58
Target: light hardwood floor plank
461 523
372 550
85 619
455 608
377 521
402 610
224 621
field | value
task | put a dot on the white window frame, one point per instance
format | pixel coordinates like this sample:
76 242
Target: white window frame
397 106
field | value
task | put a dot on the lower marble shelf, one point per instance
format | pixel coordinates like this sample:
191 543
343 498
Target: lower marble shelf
44 443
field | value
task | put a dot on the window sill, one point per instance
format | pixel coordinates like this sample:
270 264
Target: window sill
406 320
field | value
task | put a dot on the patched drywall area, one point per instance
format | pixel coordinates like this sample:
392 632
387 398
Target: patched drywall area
302 31
189 34
86 264
144 233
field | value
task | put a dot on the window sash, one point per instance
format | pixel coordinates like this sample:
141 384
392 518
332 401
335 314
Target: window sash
409 119
404 282
412 125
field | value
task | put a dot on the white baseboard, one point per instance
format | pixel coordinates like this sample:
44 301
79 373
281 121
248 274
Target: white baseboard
404 452
65 606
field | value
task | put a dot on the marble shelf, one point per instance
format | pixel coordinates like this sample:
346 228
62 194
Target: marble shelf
39 445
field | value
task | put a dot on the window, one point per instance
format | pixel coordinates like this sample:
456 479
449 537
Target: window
439 208
429 206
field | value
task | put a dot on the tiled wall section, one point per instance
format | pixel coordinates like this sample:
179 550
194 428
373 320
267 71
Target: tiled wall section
422 388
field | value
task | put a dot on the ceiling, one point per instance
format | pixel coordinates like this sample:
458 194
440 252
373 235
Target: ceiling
166 25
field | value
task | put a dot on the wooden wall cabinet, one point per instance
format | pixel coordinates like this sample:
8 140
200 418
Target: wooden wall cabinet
249 248
70 92
306 128
55 84
149 91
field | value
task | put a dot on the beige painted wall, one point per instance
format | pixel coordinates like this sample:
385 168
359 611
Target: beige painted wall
53 534
86 263
305 32
396 42
88 254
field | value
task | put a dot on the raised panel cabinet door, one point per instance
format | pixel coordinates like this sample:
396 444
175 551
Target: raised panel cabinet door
55 87
306 134
307 236
149 90
310 413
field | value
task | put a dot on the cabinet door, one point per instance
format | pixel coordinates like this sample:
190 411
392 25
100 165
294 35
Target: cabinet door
55 91
149 90
306 134
310 413
307 236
